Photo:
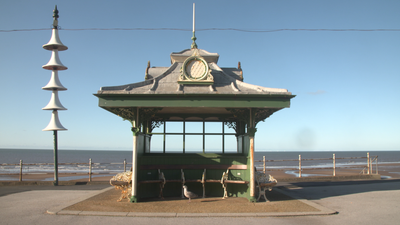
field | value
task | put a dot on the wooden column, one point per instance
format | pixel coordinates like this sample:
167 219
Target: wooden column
299 165
334 165
264 164
368 162
20 170
90 169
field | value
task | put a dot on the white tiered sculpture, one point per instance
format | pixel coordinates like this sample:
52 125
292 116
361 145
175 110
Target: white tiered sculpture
55 85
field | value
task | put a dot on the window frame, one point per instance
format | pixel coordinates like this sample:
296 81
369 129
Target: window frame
203 133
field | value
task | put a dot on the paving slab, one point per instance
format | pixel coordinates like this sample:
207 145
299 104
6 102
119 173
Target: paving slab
358 202
58 209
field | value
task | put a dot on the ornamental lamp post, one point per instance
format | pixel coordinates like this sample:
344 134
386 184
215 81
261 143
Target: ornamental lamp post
55 45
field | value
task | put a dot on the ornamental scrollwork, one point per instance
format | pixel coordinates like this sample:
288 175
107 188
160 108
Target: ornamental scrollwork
155 124
125 113
240 114
231 124
262 114
145 114
258 114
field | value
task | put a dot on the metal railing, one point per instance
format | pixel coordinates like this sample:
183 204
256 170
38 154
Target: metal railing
22 165
368 167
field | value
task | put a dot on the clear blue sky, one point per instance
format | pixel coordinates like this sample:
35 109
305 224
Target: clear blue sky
346 82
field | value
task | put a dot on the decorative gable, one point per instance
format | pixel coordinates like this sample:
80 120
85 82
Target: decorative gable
196 71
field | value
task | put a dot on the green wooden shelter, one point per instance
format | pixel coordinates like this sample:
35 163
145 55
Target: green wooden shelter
191 122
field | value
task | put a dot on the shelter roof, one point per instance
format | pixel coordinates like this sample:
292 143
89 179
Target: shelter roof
164 80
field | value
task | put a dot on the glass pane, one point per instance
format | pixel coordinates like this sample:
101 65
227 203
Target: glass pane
213 143
214 127
174 127
230 144
194 143
156 143
229 130
173 143
159 129
194 127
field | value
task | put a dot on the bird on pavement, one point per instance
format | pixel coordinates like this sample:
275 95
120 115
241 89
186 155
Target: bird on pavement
188 194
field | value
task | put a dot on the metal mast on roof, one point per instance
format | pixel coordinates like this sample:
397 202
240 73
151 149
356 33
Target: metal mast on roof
55 85
194 45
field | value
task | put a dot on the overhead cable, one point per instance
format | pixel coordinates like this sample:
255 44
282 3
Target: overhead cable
205 29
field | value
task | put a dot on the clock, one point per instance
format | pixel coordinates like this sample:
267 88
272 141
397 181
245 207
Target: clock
195 71
195 68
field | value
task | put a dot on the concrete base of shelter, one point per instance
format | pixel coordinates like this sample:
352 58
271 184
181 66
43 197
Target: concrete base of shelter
104 203
134 199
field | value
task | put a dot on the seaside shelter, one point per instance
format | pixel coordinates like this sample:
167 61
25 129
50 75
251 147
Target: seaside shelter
193 124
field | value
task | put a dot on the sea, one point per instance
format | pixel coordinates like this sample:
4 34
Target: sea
112 162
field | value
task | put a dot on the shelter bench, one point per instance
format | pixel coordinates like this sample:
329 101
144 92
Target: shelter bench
203 180
264 182
123 182
126 186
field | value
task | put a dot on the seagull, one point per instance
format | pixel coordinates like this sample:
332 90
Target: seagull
188 194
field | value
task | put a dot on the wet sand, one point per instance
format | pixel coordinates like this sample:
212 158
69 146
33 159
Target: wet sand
385 170
61 177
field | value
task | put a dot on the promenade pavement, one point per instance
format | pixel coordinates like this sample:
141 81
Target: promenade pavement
357 202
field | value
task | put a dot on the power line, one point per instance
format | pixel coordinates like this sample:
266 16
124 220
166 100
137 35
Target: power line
16 30
206 29
279 30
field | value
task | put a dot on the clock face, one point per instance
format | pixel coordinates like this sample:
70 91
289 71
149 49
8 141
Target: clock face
195 68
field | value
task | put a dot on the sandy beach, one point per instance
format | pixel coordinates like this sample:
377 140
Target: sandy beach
385 170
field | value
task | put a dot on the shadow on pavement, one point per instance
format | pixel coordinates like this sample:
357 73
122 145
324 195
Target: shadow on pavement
340 188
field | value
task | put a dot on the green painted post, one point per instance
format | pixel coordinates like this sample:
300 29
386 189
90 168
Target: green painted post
184 135
204 137
135 130
223 138
55 183
165 129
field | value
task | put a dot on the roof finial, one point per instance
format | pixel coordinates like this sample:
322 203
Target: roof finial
55 16
194 45
146 75
240 71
